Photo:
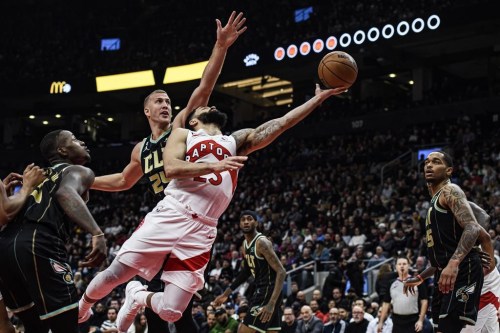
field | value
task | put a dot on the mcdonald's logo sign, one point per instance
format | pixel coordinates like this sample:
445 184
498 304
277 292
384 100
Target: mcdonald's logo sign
59 87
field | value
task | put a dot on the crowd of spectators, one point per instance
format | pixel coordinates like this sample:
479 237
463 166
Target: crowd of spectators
319 200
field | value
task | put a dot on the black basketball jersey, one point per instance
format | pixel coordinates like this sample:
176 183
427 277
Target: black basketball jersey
263 274
41 206
152 163
443 233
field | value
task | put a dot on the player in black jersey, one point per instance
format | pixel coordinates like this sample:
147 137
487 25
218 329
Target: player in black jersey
10 204
451 233
263 264
35 279
147 156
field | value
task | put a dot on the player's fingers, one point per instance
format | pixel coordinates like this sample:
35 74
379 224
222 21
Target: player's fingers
231 18
219 24
237 19
242 30
240 23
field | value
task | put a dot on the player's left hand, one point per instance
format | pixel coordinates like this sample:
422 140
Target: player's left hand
98 253
11 181
448 277
228 34
266 312
410 284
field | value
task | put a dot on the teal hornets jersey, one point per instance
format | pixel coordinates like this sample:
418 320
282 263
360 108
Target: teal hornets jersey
151 156
264 275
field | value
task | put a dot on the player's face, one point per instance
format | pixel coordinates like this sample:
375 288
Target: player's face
210 115
159 109
435 169
73 149
247 224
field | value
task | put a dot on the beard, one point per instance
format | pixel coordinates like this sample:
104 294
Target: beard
214 117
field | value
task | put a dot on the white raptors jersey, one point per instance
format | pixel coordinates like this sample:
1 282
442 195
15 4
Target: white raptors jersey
208 195
492 283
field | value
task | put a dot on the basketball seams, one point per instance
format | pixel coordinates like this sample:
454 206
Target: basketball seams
331 72
340 62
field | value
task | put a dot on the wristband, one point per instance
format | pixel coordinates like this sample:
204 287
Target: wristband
99 235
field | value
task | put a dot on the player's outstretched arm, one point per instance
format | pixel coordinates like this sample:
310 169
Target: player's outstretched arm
176 166
226 36
10 205
242 276
75 183
415 281
454 198
124 180
249 140
265 248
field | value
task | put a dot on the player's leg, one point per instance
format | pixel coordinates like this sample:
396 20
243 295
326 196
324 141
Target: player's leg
155 323
102 284
65 322
31 321
186 323
450 324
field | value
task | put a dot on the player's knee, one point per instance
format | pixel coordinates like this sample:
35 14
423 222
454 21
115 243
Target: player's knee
170 315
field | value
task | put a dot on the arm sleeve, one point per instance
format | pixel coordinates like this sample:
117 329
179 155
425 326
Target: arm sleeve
422 291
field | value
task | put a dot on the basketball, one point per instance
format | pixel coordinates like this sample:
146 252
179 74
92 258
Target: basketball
337 69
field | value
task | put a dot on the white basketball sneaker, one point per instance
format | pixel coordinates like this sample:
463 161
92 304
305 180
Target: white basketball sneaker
129 309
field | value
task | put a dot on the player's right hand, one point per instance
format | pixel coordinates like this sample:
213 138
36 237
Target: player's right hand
486 262
98 253
230 163
219 300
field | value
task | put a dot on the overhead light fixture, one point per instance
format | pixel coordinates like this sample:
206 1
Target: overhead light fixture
110 119
31 116
45 122
411 82
268 85
284 101
58 116
277 92
392 75
177 107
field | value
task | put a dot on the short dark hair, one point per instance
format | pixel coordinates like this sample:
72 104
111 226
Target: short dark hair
49 143
448 160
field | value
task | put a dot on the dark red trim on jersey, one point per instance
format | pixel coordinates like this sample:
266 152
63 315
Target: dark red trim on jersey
191 264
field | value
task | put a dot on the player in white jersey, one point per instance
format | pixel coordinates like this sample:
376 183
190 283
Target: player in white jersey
204 165
487 317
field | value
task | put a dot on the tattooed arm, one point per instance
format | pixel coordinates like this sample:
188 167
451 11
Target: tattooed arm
250 140
264 247
454 199
484 237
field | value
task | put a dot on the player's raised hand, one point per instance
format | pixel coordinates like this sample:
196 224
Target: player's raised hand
98 253
228 34
11 181
329 92
32 176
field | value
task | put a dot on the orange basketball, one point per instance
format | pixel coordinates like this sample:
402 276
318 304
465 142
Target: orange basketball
337 69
